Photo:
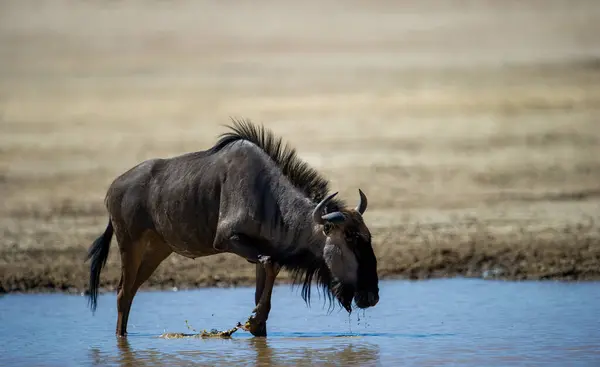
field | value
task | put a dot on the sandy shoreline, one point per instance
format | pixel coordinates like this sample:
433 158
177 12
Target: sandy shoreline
567 253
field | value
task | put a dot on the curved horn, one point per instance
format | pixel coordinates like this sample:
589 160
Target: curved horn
319 209
362 204
335 217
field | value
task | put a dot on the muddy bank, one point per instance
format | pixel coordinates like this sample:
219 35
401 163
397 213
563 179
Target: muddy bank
415 252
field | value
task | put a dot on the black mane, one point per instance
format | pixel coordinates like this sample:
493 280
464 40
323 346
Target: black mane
302 264
301 175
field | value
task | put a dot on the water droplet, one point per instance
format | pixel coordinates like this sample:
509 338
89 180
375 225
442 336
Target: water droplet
350 323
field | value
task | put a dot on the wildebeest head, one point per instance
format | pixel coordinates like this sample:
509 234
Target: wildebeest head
348 254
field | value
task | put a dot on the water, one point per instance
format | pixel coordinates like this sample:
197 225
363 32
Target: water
437 322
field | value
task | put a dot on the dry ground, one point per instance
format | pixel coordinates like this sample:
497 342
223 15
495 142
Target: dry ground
472 126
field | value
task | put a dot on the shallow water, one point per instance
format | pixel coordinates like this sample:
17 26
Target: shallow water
437 322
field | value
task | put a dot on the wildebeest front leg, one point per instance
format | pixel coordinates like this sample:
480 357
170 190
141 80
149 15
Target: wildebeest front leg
257 323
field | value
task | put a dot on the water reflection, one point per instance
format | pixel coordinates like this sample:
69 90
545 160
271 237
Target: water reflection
127 357
253 351
349 353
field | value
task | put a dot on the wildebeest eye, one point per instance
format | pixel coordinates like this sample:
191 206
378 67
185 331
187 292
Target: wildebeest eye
327 227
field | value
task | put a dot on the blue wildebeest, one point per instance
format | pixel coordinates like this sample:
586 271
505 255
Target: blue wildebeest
249 195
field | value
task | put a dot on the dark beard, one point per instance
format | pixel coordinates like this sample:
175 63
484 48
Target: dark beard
344 294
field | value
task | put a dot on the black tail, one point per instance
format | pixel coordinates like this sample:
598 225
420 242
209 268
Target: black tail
98 252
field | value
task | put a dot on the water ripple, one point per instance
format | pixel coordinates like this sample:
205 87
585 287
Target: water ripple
458 321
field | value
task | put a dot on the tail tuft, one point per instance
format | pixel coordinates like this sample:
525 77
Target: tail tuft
98 253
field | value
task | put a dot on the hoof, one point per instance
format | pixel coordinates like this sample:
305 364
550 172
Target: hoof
259 330
256 328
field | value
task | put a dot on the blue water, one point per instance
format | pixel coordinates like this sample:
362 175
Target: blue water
437 322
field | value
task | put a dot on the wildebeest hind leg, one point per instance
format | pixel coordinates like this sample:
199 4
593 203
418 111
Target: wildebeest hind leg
156 252
131 258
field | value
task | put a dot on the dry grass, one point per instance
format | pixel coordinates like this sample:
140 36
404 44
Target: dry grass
479 130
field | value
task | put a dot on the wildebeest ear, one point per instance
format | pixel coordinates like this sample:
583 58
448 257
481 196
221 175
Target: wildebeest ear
335 217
